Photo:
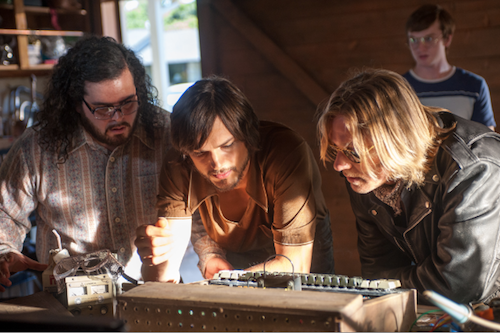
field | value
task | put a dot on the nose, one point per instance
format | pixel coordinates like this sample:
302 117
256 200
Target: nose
341 162
423 45
215 159
117 114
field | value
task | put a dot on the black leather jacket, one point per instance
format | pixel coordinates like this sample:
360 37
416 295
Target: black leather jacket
449 240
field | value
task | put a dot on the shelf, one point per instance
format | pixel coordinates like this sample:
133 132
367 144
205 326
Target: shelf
22 73
31 68
40 67
46 10
25 22
27 32
9 67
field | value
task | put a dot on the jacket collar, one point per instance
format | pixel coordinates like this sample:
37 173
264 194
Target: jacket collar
200 189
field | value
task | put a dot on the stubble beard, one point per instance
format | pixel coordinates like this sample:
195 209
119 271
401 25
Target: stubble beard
103 137
223 185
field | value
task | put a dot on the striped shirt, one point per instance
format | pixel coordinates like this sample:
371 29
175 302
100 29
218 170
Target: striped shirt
95 200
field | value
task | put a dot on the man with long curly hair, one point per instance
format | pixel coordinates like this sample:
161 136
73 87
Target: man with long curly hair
423 185
89 166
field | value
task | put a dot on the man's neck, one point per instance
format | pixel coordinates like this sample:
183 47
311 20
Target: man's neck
433 72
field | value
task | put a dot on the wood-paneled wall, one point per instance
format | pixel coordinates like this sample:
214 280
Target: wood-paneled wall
289 55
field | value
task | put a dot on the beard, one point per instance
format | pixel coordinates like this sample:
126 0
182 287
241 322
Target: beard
103 138
224 185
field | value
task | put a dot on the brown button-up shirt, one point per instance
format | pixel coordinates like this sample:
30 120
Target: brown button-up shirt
284 186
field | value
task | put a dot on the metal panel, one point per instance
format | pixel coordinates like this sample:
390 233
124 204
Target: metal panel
158 306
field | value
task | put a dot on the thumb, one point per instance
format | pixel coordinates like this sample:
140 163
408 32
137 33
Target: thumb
162 222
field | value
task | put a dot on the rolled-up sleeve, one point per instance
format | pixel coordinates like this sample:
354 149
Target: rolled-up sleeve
295 212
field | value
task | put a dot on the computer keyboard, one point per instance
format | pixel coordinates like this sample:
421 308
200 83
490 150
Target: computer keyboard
311 281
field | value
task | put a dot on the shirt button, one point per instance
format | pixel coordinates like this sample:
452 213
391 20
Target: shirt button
111 159
435 178
117 220
374 212
114 190
427 204
122 250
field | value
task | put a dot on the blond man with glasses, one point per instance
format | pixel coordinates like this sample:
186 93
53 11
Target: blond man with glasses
429 32
423 185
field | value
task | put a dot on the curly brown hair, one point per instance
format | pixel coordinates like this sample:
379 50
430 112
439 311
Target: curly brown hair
92 59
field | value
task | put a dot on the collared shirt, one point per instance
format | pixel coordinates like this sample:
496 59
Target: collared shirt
95 199
284 186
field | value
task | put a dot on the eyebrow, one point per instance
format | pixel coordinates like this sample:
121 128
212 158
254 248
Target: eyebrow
428 35
97 104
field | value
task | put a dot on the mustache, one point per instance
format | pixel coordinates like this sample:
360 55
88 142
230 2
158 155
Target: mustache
350 176
217 172
123 123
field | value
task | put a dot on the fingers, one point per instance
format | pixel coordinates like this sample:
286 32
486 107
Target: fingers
156 255
35 265
4 281
154 241
153 231
4 274
162 242
215 265
162 222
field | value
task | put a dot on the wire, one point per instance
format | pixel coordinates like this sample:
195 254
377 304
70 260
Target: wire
127 277
59 244
443 320
460 313
423 314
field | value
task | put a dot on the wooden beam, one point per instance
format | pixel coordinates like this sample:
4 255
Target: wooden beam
276 56
209 64
22 41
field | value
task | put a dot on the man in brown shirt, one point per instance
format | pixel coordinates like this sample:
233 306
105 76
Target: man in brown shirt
255 184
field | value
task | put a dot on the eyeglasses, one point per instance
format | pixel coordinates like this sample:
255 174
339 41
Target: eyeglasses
426 40
351 154
108 112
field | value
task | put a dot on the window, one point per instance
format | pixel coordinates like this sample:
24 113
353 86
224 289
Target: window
164 34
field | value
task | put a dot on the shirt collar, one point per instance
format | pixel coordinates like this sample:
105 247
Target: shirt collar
83 137
200 189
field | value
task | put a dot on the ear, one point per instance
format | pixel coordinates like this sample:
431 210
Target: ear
447 41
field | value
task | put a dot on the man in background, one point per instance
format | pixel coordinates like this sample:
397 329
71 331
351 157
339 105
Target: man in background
90 165
255 184
437 83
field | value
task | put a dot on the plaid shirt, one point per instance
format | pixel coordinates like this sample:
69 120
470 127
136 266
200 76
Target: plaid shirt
95 200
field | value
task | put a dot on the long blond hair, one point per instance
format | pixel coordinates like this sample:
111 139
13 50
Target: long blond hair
388 124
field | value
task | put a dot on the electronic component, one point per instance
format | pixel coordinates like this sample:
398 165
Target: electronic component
193 307
90 294
310 281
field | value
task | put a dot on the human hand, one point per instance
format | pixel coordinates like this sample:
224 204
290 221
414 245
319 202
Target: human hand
215 265
13 262
161 248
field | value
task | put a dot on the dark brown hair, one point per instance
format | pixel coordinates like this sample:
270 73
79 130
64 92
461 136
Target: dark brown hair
426 15
194 114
